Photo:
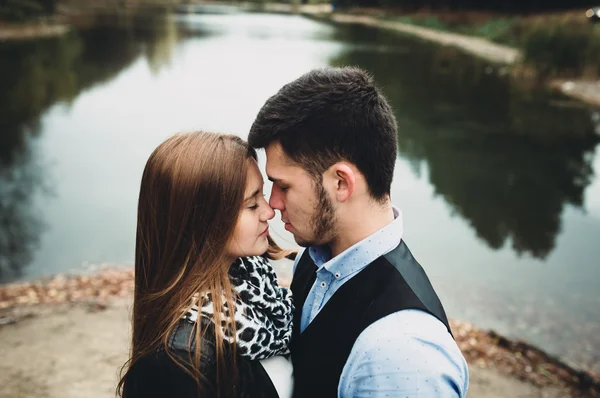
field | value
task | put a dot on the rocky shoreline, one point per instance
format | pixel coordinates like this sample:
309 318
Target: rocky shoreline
483 349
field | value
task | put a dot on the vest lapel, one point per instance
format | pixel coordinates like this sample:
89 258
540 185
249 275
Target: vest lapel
304 278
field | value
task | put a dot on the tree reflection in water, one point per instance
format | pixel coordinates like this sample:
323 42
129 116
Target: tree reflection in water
34 75
505 154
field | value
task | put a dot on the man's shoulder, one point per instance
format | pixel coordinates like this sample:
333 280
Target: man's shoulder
412 340
402 326
412 343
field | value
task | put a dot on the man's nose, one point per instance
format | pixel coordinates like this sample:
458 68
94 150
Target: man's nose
275 201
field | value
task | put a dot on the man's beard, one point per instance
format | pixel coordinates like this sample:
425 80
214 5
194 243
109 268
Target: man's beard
323 220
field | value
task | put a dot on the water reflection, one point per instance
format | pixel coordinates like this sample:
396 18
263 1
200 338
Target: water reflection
20 226
504 155
34 75
253 26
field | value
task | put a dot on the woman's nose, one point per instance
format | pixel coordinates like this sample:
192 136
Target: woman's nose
269 213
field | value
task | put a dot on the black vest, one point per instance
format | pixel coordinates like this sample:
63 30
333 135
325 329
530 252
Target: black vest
391 283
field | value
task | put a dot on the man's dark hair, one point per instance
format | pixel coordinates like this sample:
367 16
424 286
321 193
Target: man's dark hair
330 115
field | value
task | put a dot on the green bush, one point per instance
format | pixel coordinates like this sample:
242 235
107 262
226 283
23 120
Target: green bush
500 30
21 10
592 55
556 48
555 44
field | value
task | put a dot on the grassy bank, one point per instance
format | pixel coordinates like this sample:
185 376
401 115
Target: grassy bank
555 45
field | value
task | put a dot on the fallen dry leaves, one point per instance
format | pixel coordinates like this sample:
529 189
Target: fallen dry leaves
110 283
487 349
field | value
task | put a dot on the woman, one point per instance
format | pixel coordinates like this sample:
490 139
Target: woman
209 319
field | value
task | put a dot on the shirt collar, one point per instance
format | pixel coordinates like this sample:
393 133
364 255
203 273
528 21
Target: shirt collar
359 255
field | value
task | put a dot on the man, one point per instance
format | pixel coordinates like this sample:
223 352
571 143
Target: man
368 322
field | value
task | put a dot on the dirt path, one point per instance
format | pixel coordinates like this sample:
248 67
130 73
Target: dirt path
76 350
474 45
30 30
72 351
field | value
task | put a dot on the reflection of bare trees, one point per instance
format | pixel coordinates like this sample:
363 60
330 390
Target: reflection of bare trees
498 151
20 225
37 74
596 121
160 51
511 189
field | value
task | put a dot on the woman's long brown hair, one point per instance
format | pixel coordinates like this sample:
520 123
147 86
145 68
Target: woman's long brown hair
190 198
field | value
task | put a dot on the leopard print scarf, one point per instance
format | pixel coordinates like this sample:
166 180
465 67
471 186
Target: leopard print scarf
263 313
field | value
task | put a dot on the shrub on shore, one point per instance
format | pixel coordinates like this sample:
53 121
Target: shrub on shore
22 10
563 44
563 48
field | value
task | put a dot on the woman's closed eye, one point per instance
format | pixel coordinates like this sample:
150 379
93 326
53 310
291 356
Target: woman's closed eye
255 205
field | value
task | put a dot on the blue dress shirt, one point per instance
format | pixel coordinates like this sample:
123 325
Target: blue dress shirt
405 354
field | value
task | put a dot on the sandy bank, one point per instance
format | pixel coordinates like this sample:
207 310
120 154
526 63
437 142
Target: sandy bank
76 328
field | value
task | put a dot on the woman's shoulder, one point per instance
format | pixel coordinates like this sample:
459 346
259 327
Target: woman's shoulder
253 381
182 341
157 374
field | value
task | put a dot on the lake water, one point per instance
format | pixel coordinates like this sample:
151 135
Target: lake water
497 178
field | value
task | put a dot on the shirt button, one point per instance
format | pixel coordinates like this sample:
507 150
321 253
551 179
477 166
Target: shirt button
323 284
337 275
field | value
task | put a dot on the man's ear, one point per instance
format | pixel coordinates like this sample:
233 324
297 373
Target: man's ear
342 178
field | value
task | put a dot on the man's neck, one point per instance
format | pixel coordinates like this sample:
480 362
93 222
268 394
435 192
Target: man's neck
360 224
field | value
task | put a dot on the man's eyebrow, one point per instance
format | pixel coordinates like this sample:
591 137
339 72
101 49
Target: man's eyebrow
253 195
275 180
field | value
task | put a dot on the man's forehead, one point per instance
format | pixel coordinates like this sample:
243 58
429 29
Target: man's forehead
277 170
286 173
277 160
276 154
